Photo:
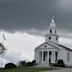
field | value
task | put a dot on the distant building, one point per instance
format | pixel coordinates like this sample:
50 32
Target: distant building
51 51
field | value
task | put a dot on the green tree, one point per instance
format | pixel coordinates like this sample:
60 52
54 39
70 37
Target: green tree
2 49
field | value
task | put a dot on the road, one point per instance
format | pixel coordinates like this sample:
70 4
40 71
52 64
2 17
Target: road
61 70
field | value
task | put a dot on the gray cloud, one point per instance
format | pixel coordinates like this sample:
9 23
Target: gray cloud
19 15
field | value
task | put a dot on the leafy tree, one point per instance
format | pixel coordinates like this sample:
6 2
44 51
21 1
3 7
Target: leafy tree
2 49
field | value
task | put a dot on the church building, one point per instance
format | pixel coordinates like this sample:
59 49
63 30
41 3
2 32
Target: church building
51 51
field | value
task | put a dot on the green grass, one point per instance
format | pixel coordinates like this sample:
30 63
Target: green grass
26 69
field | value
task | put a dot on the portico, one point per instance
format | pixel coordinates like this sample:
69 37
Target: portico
47 57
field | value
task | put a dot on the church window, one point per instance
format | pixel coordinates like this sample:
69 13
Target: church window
55 31
56 38
45 46
49 38
50 53
68 57
50 31
44 56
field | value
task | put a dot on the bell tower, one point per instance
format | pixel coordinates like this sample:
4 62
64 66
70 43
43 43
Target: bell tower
52 32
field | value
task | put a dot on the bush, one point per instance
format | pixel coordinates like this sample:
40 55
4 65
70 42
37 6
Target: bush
22 63
10 65
34 63
60 63
51 64
29 64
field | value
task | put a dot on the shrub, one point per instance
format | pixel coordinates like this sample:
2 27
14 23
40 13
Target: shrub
34 63
60 63
29 64
51 64
10 65
22 63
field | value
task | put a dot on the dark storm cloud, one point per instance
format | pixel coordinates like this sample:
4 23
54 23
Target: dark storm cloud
19 15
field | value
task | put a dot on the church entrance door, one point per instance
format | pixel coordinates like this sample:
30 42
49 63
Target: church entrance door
50 54
49 60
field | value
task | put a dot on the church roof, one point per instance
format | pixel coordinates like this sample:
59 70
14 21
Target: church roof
54 44
65 47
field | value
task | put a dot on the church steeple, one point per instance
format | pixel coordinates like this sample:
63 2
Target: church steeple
52 33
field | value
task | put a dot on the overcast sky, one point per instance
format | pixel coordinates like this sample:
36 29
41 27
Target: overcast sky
19 15
25 23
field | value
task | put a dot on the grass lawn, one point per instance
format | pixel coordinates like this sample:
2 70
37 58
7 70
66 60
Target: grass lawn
26 69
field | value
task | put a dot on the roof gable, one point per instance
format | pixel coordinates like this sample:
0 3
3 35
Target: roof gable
65 47
46 45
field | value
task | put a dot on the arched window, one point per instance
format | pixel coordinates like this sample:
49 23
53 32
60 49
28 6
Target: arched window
44 55
49 38
50 53
68 56
50 31
55 31
56 38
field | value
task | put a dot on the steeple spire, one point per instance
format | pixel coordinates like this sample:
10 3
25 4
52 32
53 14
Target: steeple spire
52 19
52 24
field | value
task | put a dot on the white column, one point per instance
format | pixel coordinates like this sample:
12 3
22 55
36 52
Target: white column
42 56
47 57
54 57
35 57
38 57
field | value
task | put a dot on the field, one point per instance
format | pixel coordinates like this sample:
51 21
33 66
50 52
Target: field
26 69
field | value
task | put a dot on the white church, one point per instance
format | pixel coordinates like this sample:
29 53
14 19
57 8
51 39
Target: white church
51 51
